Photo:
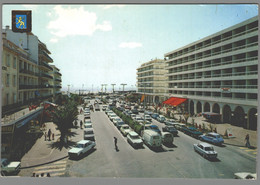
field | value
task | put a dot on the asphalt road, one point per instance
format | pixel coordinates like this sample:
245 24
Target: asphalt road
177 161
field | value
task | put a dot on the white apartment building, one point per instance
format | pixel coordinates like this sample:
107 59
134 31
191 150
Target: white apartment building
219 74
151 80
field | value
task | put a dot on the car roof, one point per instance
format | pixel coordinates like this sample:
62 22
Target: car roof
153 126
213 133
83 142
205 144
133 133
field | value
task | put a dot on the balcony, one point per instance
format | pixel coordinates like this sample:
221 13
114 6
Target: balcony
58 73
41 63
46 86
58 80
23 86
46 75
46 55
28 72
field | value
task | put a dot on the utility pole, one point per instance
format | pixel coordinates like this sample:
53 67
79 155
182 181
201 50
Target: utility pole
105 87
123 87
113 88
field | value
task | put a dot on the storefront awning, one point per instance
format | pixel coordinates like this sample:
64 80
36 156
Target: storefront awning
174 101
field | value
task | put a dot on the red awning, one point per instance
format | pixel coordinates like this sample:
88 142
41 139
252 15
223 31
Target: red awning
173 101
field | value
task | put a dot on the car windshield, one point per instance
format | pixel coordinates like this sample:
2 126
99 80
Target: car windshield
156 137
88 126
5 162
134 137
89 132
209 149
125 127
80 146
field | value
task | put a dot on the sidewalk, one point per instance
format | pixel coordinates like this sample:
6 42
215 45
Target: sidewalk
239 133
42 152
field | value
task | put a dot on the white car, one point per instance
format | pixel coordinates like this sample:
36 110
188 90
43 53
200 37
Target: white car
125 129
88 121
8 167
89 134
134 139
139 119
112 116
116 119
87 125
206 150
245 175
148 117
82 147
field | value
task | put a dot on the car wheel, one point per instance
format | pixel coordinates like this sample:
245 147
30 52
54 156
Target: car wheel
205 156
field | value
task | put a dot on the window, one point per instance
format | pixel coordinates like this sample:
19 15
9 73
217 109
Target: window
7 80
14 80
14 62
14 96
8 60
7 99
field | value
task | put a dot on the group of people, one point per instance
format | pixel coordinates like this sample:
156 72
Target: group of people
49 135
41 175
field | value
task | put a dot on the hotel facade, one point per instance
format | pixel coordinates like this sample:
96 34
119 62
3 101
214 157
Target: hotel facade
219 74
151 80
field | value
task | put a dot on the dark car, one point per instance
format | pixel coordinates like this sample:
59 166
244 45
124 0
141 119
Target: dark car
134 111
192 131
155 115
170 129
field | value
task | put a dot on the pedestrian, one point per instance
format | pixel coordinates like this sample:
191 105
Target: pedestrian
48 175
81 124
115 141
49 134
45 136
42 174
247 141
52 136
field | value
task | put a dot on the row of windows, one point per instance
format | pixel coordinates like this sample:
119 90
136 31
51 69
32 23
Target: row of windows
9 62
8 78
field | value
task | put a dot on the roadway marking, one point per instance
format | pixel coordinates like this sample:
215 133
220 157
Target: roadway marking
250 150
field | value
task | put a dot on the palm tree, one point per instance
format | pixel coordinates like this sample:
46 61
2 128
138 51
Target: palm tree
64 117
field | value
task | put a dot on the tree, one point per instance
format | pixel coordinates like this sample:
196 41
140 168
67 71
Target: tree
64 117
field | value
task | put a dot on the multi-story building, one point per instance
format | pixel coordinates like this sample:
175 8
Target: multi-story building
9 83
27 76
151 80
56 83
219 74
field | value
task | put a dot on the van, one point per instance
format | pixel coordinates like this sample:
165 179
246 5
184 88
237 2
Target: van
152 138
167 138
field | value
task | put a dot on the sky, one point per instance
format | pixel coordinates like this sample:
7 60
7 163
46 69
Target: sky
105 44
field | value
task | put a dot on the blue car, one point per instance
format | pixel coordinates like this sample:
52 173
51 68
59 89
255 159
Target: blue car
213 138
155 116
154 128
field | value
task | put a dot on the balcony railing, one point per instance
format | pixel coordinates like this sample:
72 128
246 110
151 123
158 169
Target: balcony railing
23 86
25 71
46 75
45 65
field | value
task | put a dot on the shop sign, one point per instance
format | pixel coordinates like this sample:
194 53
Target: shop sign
7 129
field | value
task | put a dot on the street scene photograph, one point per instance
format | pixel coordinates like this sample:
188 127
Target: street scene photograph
129 91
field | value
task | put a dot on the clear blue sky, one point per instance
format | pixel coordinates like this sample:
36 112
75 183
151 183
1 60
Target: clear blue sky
101 44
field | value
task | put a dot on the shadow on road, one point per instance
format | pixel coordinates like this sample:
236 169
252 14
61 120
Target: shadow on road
171 145
234 145
60 144
44 163
214 160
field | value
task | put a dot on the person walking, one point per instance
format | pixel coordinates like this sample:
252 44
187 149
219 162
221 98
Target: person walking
45 136
52 136
115 141
81 124
247 141
49 134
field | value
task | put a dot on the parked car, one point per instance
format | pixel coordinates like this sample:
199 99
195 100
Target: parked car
161 118
87 125
206 150
125 129
89 134
170 129
167 138
171 123
140 110
119 124
87 121
116 119
133 116
134 139
155 128
9 167
245 175
180 126
192 131
212 137
104 107
148 112
154 115
82 147
135 111
152 138
147 117
112 116
139 119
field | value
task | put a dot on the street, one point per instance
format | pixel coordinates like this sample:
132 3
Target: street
178 161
